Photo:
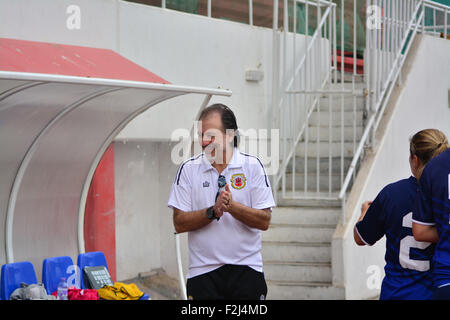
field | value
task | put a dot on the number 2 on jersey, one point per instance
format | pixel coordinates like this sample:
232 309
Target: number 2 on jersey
409 242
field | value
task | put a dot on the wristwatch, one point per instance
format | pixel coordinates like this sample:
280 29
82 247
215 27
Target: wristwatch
210 213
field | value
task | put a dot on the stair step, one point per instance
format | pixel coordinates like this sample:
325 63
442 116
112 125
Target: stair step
297 271
324 164
338 133
305 215
296 251
348 76
324 149
338 118
359 86
299 233
308 199
301 290
350 103
324 181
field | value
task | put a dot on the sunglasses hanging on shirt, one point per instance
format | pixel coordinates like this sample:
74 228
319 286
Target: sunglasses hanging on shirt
221 183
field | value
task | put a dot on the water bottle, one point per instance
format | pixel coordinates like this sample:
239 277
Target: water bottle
62 289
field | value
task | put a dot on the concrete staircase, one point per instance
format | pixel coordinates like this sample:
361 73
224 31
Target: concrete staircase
296 249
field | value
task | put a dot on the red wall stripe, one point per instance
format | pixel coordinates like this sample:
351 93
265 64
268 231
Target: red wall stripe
100 213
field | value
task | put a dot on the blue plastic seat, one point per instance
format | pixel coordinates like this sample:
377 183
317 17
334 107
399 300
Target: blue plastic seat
95 259
13 274
90 259
55 268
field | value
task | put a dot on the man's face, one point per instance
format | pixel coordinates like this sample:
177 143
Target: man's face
212 136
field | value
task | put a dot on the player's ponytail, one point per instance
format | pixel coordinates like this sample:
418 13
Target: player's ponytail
442 146
428 143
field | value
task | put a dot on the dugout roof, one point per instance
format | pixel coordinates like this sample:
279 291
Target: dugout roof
48 92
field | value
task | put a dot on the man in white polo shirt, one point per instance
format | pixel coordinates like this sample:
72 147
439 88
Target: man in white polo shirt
224 226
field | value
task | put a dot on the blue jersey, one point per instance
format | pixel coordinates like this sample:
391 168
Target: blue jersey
433 208
407 267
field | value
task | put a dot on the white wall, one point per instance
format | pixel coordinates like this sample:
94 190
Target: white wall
144 231
184 49
46 21
422 103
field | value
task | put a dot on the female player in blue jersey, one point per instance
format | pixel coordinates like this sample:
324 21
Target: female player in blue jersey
431 218
407 267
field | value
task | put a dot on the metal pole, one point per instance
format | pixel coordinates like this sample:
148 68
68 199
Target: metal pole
273 111
275 15
355 59
284 107
368 66
335 45
342 86
308 85
294 98
434 20
423 18
445 23
319 75
250 12
384 51
378 51
331 24
389 41
403 34
180 267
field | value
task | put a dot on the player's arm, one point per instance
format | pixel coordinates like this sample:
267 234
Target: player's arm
365 206
357 238
423 225
422 232
254 218
370 226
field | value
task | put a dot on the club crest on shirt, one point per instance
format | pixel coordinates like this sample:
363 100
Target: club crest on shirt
238 181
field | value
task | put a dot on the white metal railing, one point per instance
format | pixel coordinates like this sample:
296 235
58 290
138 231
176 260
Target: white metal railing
308 78
387 47
305 81
440 14
209 9
306 70
305 74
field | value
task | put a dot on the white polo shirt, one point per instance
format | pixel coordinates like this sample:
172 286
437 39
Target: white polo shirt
227 241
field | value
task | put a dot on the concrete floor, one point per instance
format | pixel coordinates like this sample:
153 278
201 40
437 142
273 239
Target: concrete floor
162 287
158 285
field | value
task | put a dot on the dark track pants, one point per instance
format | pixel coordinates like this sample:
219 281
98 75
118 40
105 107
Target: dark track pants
229 282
